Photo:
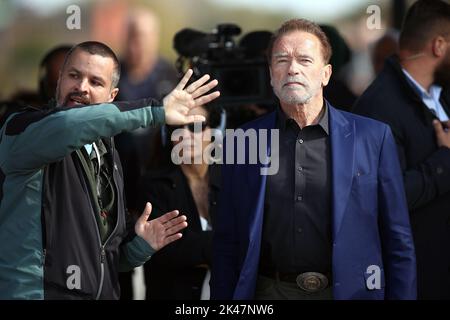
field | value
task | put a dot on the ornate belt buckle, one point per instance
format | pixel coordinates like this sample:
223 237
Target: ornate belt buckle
312 281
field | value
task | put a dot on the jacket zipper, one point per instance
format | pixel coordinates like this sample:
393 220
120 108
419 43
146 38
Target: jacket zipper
102 246
103 253
44 253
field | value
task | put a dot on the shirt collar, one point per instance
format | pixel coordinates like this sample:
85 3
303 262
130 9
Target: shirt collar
283 120
435 90
101 148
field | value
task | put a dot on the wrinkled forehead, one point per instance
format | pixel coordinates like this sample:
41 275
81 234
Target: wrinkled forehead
296 42
90 64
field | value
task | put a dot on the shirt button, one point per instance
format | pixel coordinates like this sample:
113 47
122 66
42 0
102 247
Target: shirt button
299 230
300 168
439 170
300 141
299 198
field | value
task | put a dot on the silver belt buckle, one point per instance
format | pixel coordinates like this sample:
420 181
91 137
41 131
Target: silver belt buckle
312 281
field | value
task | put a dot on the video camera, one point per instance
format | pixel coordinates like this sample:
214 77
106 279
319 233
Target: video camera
242 70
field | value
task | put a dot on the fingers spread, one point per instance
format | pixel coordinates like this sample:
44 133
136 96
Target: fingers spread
174 221
145 215
168 216
184 80
204 89
176 228
172 238
208 98
197 84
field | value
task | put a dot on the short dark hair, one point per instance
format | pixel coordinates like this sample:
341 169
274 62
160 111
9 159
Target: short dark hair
101 49
306 26
424 20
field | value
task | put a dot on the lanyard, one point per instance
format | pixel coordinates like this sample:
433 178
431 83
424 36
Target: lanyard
99 167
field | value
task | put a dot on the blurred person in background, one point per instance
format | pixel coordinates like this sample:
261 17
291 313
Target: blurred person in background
181 271
383 48
412 95
49 70
144 73
337 92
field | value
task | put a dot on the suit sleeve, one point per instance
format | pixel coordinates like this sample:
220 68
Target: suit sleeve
425 182
33 139
428 180
397 241
224 274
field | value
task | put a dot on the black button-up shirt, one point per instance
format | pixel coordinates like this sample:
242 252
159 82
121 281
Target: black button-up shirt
297 217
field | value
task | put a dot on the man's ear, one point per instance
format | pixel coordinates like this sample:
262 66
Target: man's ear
326 75
439 46
113 94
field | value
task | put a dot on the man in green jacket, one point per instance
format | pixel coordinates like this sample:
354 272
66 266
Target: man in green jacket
64 229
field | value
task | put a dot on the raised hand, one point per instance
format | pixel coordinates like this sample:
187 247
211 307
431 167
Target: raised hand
161 231
178 103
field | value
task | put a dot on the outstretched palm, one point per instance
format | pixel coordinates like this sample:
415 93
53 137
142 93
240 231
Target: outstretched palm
178 103
161 231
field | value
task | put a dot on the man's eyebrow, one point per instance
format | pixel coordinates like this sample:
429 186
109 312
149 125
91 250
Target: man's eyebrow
280 54
305 56
299 56
98 78
72 68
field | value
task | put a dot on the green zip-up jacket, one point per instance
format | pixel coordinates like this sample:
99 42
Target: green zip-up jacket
50 246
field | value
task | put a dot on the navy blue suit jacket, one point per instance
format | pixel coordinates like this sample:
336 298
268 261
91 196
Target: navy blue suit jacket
370 219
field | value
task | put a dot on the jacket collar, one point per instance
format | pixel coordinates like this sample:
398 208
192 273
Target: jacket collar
342 143
392 66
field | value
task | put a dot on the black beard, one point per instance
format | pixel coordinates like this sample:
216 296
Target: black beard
83 99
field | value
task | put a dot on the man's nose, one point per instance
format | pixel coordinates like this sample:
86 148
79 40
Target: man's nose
294 68
82 85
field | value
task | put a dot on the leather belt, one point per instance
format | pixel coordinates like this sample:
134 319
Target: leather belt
311 282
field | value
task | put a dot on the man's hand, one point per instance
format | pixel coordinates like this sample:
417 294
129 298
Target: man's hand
178 103
442 133
161 231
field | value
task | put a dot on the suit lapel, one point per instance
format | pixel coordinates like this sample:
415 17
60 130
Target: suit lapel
256 182
342 158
